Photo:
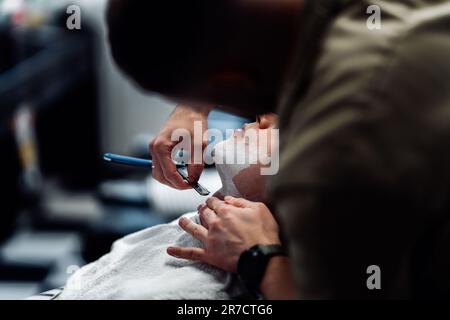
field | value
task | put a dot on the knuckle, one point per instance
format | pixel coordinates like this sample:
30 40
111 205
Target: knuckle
159 144
220 208
260 206
205 215
225 215
212 216
224 211
156 142
215 224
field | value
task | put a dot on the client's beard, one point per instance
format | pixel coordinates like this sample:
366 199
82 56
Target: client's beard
223 152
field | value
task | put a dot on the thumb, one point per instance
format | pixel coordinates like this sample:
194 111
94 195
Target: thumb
238 202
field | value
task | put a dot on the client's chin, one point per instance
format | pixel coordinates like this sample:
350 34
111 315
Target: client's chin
238 180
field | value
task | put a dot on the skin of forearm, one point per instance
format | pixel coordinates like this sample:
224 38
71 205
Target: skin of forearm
278 283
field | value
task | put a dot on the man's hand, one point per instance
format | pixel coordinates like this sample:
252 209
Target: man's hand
161 147
228 228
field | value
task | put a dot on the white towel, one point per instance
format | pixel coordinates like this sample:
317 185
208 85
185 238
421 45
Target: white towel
138 267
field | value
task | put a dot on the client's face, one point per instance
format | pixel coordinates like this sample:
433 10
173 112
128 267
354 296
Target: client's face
240 158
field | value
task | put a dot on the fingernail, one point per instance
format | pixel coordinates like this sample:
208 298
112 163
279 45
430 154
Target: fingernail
227 198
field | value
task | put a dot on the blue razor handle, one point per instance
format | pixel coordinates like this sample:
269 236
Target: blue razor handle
145 163
129 161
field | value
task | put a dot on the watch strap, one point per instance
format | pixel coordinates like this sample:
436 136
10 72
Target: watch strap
261 255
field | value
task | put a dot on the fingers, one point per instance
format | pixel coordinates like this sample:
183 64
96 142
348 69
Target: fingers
218 206
188 119
171 174
238 202
197 231
213 202
222 207
196 254
164 170
207 216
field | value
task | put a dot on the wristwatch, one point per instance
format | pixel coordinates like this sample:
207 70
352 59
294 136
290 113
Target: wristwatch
253 262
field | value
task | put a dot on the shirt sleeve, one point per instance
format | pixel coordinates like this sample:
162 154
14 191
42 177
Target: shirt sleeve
364 165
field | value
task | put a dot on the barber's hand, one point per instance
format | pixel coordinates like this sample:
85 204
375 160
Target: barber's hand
161 147
228 228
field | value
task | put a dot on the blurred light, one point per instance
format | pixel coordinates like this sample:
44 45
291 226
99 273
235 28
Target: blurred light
11 6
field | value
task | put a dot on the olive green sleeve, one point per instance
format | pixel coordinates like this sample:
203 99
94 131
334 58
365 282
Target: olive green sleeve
364 163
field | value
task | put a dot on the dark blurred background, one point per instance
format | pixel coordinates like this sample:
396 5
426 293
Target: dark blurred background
62 104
